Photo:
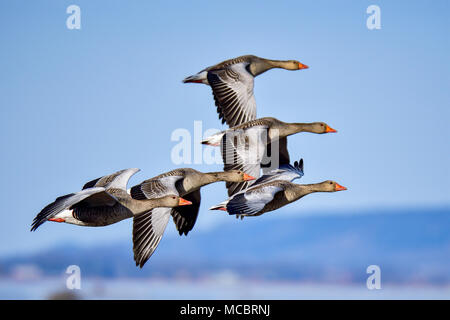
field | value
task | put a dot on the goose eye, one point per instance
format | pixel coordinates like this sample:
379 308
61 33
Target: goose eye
331 182
173 197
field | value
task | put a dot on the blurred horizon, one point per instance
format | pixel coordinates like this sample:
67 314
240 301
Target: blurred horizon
298 254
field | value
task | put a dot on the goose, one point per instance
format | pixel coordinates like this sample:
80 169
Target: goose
272 195
248 146
102 202
149 228
232 85
286 172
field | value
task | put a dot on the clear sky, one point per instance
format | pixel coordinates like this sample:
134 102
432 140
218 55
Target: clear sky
78 104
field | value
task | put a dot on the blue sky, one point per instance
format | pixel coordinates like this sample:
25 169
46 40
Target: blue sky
78 104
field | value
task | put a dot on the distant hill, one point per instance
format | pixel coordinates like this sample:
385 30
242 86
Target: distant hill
408 245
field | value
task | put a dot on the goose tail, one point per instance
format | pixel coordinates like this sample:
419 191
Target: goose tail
197 78
221 206
214 140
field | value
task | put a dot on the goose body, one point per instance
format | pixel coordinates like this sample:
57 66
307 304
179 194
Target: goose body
285 172
232 83
256 144
101 202
185 182
272 195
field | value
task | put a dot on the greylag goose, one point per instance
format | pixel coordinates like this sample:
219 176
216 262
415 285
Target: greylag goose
248 146
285 172
149 228
102 202
232 85
272 195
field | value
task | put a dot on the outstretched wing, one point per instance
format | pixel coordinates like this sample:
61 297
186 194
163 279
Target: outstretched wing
243 150
185 217
64 203
232 88
116 180
285 172
155 187
276 156
252 201
148 229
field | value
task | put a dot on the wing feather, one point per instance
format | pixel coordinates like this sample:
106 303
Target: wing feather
252 201
232 88
148 229
185 217
117 180
61 204
243 150
155 187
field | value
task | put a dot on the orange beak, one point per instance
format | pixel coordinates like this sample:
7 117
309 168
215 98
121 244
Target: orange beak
340 188
248 177
57 220
302 66
184 202
329 129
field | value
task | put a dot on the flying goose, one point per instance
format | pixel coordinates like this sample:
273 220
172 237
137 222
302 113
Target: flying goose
272 195
102 202
232 85
252 145
285 172
149 228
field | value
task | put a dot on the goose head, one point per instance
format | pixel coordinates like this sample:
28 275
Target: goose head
330 186
171 201
321 127
287 129
294 65
237 176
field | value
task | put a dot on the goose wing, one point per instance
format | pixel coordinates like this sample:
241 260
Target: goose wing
185 217
275 148
116 180
232 88
243 150
252 201
285 172
155 187
90 197
148 229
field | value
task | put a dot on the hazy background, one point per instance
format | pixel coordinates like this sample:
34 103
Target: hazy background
78 104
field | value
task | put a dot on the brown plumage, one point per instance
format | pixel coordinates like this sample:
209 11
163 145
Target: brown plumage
271 196
102 202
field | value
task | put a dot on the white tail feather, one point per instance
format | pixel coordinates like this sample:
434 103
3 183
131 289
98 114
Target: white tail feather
222 205
214 140
198 78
